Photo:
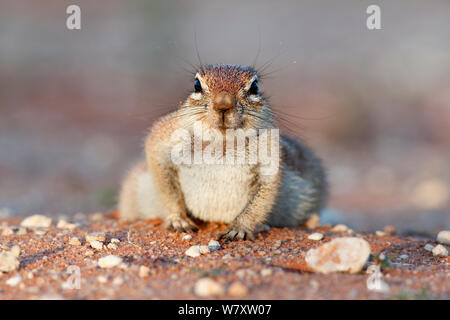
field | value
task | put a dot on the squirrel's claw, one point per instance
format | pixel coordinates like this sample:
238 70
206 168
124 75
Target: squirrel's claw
176 223
232 234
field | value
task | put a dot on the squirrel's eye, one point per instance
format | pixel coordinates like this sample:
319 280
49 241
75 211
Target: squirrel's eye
197 86
254 88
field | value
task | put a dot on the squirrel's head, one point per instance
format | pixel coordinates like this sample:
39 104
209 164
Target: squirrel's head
229 97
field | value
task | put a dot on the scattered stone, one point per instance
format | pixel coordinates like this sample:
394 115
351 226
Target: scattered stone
207 287
204 249
429 247
110 261
117 281
96 245
8 260
63 224
237 289
187 237
74 241
390 230
313 222
227 257
347 254
6 231
112 246
315 236
266 272
440 250
443 237
115 240
340 228
36 221
102 279
96 236
14 281
213 245
379 233
144 271
403 256
193 252
89 253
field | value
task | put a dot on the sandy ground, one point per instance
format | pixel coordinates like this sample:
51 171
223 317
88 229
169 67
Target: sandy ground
271 267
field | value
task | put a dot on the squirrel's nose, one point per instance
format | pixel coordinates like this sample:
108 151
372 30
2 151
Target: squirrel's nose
223 102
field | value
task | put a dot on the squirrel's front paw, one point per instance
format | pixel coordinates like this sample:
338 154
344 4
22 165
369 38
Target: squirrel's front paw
180 224
236 233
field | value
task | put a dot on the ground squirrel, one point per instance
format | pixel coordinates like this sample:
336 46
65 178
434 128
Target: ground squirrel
226 98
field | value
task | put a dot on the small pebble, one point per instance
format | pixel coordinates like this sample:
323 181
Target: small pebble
440 250
379 233
117 281
340 228
315 236
40 232
266 272
115 240
112 246
36 221
8 261
96 236
63 224
187 237
89 253
74 241
403 256
96 245
207 287
193 252
15 250
14 281
213 245
110 261
429 247
237 289
443 237
226 257
204 249
144 271
102 279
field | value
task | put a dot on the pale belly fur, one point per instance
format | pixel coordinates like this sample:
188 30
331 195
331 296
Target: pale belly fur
215 192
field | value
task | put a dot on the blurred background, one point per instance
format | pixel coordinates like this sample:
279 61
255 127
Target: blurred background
375 105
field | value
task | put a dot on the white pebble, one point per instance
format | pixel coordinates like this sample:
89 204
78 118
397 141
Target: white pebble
187 237
204 249
340 228
63 224
443 237
207 287
193 252
440 250
144 271
96 245
112 246
214 245
429 247
74 241
315 236
347 254
266 272
8 261
403 256
36 221
14 281
380 233
115 240
109 261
